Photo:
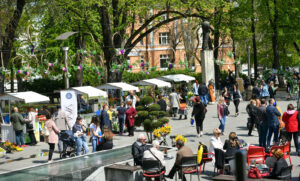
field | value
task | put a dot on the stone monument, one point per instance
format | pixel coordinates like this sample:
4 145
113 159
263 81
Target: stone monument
207 56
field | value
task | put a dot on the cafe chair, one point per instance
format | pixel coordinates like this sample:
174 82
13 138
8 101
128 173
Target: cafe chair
187 162
285 173
206 157
256 153
153 169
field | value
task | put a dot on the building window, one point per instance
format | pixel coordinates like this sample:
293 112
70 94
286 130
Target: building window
142 59
164 38
142 41
163 60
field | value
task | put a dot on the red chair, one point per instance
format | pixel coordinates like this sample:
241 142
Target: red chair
256 153
206 157
285 149
153 169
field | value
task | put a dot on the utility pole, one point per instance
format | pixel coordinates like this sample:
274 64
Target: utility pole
249 67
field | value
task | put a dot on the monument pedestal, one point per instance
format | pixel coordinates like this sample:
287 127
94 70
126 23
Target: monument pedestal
207 66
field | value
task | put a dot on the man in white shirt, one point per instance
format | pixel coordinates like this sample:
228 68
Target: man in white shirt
131 98
154 152
174 102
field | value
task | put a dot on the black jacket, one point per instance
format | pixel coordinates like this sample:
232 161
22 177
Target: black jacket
104 120
198 111
279 164
262 115
256 91
271 92
163 105
230 150
202 90
236 94
137 152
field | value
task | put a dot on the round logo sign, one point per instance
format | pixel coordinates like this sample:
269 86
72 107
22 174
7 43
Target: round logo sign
68 95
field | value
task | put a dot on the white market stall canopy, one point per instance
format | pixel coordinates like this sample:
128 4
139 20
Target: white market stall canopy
177 78
27 97
90 91
119 85
157 82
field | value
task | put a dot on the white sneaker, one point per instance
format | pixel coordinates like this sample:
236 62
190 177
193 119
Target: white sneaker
50 161
201 133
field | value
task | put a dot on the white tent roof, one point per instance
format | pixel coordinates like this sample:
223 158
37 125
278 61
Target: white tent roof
90 91
157 82
27 97
177 78
119 85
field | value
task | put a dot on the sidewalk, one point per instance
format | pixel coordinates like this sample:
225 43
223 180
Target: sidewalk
25 158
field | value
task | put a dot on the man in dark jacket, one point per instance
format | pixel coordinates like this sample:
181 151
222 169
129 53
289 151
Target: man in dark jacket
18 125
262 123
203 91
255 90
273 122
162 103
138 149
104 118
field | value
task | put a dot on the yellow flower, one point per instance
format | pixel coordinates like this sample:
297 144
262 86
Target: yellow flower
156 133
180 137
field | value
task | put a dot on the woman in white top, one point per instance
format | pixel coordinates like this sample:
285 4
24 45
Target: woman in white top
215 141
95 132
30 125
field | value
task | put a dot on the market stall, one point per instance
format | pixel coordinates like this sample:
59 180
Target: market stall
7 132
153 82
177 78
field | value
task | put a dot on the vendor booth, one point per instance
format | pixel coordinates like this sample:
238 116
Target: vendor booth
92 92
7 132
115 90
153 82
177 78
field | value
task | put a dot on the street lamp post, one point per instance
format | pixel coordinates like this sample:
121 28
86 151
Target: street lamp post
65 49
249 67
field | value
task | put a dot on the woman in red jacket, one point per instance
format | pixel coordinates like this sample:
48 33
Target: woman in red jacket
130 115
291 124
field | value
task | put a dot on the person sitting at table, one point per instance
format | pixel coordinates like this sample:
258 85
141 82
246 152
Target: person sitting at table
138 149
231 146
183 151
276 162
154 154
215 141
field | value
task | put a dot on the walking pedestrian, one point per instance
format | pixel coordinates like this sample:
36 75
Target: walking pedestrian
211 91
104 118
255 90
203 91
262 124
174 102
182 106
130 116
227 96
264 90
222 113
291 125
199 111
52 137
236 95
253 119
62 123
272 89
273 122
195 88
121 117
18 125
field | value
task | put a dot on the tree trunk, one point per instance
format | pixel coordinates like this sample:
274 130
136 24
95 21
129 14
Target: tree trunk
276 63
254 43
79 44
9 38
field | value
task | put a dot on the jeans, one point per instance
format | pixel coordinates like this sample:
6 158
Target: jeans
272 129
80 141
262 135
121 123
203 99
19 137
222 124
94 145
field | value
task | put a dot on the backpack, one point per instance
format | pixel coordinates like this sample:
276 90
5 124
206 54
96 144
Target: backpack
201 149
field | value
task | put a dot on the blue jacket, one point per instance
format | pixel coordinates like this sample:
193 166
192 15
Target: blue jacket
272 113
265 91
104 120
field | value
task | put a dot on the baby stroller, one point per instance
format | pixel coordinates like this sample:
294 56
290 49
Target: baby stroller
69 144
283 137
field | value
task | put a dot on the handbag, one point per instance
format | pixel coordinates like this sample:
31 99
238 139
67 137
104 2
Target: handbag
254 173
45 131
29 126
192 121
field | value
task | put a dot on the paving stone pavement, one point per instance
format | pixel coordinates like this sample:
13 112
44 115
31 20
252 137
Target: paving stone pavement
236 124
